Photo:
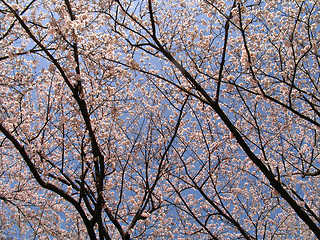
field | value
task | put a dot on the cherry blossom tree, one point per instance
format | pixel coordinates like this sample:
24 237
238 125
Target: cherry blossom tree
159 119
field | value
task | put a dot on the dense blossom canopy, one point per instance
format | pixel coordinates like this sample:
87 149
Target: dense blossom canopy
150 119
